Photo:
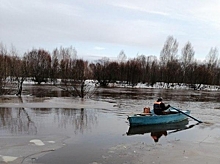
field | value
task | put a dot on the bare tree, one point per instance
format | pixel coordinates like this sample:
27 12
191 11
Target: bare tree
142 60
122 57
168 57
212 58
6 70
39 65
134 71
112 72
72 71
187 54
152 70
169 51
54 74
100 71
212 61
76 83
3 53
18 70
187 58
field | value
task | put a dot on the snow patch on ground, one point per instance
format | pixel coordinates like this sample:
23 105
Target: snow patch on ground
37 142
51 141
8 158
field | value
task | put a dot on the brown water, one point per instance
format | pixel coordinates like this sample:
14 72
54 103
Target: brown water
96 132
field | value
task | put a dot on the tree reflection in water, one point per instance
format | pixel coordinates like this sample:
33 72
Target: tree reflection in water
17 120
23 121
17 123
80 119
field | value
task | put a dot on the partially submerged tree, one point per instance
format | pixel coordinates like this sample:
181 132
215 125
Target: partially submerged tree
18 70
76 83
73 73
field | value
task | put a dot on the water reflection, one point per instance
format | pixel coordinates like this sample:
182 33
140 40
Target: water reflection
152 94
16 121
46 91
156 135
39 120
157 131
79 120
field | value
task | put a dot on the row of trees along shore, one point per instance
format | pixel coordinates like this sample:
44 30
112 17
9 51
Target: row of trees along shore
40 66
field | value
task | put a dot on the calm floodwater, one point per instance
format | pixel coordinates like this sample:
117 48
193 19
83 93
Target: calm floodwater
94 133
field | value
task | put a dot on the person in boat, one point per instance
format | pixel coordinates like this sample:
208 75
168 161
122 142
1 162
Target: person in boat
160 107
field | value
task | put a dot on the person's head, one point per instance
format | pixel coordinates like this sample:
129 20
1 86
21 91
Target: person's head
159 99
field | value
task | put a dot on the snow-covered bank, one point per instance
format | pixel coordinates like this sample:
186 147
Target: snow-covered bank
162 85
158 85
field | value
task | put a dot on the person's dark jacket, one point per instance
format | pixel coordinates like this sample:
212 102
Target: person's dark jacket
159 107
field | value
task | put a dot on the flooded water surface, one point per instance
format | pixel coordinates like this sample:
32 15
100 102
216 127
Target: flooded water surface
96 130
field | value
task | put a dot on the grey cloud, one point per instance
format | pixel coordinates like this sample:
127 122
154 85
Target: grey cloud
28 24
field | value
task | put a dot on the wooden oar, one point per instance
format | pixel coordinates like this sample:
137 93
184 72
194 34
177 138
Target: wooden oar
186 114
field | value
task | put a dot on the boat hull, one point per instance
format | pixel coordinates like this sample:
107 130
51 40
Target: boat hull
153 119
137 130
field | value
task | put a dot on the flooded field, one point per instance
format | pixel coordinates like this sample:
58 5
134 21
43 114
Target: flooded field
47 126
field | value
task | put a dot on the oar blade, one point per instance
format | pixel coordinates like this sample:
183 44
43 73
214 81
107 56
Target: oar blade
187 115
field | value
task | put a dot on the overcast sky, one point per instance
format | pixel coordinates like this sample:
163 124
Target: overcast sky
102 28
